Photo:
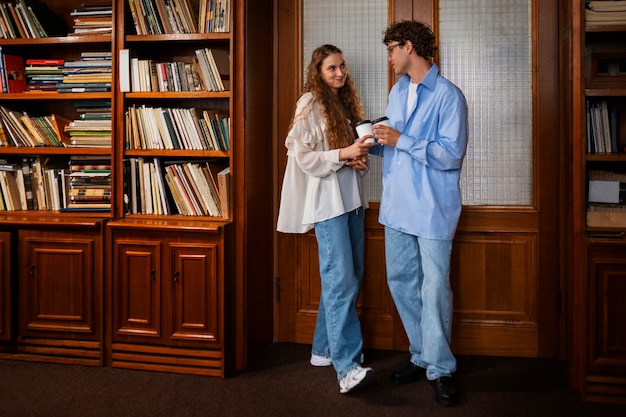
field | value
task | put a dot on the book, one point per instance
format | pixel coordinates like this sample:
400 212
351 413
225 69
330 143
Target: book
11 31
124 70
37 137
19 178
14 73
3 78
11 203
223 185
27 180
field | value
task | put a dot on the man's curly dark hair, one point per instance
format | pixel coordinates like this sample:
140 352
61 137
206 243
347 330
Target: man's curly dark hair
420 35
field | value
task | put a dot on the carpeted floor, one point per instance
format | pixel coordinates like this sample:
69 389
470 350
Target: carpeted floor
282 383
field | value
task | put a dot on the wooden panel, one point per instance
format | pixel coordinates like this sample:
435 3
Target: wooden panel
195 294
494 280
607 286
56 283
516 248
374 306
137 290
376 309
5 286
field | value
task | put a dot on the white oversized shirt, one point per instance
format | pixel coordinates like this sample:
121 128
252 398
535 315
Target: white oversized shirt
312 191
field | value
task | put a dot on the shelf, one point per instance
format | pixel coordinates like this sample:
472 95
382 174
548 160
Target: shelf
39 218
178 95
605 28
605 92
57 40
620 157
175 153
613 233
171 222
53 95
187 37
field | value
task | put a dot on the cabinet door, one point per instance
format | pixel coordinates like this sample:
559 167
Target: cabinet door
5 286
607 309
194 298
137 291
56 283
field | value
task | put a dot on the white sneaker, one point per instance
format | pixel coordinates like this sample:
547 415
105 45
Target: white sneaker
355 379
318 360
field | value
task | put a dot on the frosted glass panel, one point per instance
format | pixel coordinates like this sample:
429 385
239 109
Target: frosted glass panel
485 49
356 27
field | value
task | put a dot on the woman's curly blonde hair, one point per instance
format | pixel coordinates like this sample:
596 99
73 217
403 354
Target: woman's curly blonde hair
341 111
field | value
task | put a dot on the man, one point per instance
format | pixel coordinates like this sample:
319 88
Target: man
423 151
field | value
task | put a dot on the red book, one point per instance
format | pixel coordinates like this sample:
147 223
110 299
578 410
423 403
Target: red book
45 62
14 70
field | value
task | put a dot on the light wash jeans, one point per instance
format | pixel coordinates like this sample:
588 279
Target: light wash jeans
340 242
418 274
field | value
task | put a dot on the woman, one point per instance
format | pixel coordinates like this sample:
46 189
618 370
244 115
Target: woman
322 190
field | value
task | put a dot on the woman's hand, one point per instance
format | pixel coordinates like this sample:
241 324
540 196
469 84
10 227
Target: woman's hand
359 163
358 149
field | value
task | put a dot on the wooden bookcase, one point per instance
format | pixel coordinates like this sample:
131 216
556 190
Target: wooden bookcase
52 264
164 292
597 298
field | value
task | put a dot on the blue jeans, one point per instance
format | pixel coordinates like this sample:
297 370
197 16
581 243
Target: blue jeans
418 274
341 242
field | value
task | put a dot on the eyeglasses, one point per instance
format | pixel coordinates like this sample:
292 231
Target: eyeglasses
392 47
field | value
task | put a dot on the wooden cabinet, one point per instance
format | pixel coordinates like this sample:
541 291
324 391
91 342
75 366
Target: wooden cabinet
164 305
182 284
596 243
5 287
167 296
60 284
607 286
52 277
52 280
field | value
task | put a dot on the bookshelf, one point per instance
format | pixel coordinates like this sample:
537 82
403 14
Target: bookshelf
598 248
49 316
165 260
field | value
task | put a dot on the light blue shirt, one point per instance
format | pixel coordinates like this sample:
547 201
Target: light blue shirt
421 194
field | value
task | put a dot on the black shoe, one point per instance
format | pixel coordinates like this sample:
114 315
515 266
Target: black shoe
410 373
445 391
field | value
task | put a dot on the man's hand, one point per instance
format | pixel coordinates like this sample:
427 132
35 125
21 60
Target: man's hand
386 135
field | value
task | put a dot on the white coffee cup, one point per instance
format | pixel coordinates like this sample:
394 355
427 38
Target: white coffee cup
381 121
364 127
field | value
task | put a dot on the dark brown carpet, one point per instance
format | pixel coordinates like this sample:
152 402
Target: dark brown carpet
282 383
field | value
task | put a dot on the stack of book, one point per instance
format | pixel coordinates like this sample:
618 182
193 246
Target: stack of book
145 187
157 17
89 184
92 128
189 188
43 74
90 73
89 133
176 128
95 18
214 16
33 184
20 129
606 13
151 75
12 195
20 21
93 109
602 128
214 68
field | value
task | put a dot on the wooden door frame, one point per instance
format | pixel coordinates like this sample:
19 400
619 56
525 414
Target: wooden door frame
541 218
